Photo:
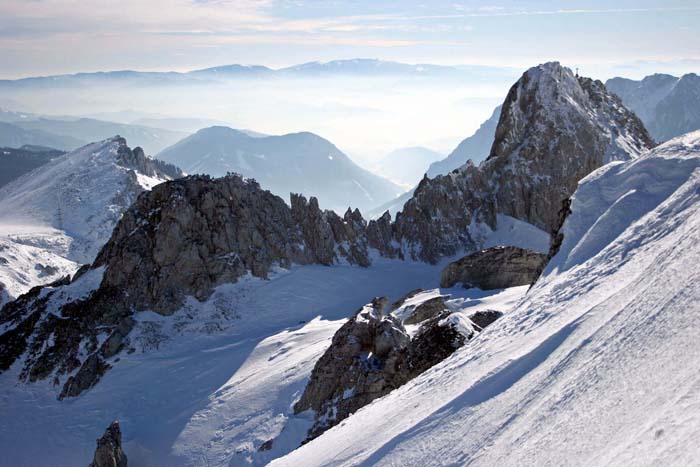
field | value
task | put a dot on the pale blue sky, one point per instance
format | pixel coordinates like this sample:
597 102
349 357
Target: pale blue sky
604 38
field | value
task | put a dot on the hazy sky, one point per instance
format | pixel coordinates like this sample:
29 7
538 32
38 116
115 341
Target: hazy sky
624 37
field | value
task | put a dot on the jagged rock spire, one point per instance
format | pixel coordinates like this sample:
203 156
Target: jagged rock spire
109 451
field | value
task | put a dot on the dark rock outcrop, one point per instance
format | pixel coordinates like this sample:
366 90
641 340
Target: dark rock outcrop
427 310
109 452
494 268
554 129
485 317
187 236
436 222
557 237
136 159
373 354
362 363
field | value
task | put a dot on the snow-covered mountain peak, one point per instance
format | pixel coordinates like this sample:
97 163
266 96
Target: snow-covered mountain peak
554 129
68 208
550 97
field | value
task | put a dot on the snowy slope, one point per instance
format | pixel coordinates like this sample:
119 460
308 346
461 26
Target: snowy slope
24 266
596 366
209 384
62 213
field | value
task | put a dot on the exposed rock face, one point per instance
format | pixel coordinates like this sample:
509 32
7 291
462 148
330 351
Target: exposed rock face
557 237
187 236
554 129
438 220
330 237
380 237
63 344
136 159
360 365
109 451
427 310
373 354
485 317
494 268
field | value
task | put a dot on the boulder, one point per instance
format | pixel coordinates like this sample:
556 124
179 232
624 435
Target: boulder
426 310
373 354
494 268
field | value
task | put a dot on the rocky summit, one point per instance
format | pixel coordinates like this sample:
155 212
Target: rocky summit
188 236
554 129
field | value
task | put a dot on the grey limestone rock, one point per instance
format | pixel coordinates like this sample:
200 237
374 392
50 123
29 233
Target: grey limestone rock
494 268
109 452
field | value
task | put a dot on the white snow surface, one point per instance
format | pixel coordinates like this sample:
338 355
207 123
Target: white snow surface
210 384
512 231
24 266
61 214
597 365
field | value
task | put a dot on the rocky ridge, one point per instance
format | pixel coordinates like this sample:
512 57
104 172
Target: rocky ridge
181 239
554 129
60 214
187 236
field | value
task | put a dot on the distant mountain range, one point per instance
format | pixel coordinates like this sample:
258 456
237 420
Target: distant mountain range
356 66
297 162
82 131
407 165
15 162
14 136
668 106
475 147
